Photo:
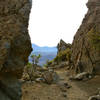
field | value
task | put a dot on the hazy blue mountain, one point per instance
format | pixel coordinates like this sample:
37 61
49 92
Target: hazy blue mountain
47 53
37 48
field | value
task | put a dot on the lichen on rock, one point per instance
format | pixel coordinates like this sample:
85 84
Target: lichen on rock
85 47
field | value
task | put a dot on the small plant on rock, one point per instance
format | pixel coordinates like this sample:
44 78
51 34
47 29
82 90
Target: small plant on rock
94 38
63 56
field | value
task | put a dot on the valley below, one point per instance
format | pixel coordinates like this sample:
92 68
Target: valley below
47 53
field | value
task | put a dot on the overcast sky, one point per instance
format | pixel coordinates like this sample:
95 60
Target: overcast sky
52 20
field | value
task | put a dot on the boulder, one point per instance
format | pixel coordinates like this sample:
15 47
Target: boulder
81 76
63 64
64 86
39 80
96 97
25 77
31 73
50 77
15 46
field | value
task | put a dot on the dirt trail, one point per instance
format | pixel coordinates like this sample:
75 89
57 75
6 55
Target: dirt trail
75 92
78 91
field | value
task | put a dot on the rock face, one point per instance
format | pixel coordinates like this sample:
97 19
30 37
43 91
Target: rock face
50 77
62 46
15 46
86 44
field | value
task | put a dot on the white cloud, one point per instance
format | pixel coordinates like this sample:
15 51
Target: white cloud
52 20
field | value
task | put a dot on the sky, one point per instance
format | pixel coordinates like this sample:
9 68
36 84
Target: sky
52 20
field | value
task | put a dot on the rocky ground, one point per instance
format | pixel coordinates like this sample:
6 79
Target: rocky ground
65 89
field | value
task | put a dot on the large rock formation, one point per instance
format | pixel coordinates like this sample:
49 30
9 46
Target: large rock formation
86 44
62 45
63 57
15 46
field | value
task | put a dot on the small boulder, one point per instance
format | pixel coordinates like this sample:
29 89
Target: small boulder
67 85
25 77
64 95
39 80
96 97
81 76
50 77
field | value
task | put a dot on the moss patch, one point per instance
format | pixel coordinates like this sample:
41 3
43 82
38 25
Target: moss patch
94 38
63 56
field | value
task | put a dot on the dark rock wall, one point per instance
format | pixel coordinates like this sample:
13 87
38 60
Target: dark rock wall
86 43
15 45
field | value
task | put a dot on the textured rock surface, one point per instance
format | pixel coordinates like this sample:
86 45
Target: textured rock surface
62 46
86 44
15 45
50 77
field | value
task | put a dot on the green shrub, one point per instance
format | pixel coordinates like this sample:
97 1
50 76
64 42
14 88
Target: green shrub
63 56
48 63
94 38
29 65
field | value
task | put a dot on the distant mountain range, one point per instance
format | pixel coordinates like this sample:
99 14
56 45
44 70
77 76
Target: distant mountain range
37 48
47 53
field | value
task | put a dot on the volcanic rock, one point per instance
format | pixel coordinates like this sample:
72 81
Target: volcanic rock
86 44
63 46
15 46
